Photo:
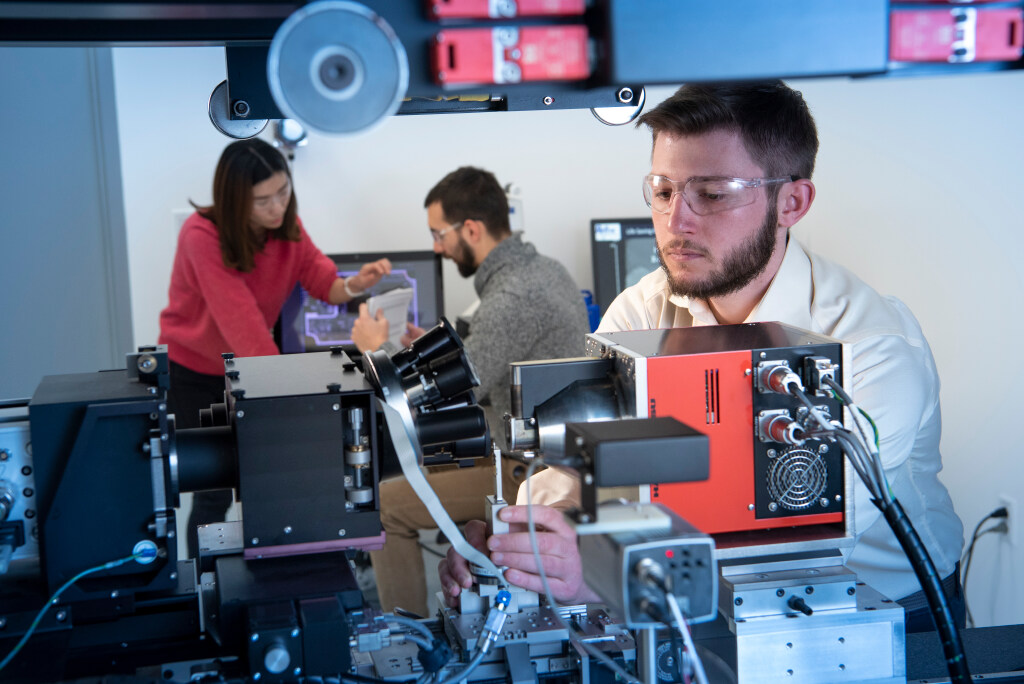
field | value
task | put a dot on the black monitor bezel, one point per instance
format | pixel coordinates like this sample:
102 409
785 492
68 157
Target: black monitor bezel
601 297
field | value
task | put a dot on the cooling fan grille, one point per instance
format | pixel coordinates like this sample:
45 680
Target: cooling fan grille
797 478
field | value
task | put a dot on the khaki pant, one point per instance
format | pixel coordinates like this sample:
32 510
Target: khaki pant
398 567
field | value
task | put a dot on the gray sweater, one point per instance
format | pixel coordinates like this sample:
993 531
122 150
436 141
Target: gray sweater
530 309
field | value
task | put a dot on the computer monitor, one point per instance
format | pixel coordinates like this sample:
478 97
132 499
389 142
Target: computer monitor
624 251
307 324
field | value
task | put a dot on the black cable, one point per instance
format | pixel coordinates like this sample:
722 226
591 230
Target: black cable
677 650
838 389
917 554
655 611
1000 512
1001 527
931 585
407 613
432 551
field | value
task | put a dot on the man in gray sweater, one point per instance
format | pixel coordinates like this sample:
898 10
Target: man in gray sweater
530 309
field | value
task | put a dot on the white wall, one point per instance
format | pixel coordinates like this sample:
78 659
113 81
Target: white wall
918 192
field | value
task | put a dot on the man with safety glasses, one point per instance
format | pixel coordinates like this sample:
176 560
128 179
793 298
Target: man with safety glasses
730 175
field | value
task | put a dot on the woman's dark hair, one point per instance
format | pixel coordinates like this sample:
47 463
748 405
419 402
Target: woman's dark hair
242 165
472 193
772 119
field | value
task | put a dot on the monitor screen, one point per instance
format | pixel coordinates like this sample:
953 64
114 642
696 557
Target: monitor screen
307 324
623 251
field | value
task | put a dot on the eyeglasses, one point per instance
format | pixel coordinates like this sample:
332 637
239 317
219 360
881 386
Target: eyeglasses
704 195
438 234
281 197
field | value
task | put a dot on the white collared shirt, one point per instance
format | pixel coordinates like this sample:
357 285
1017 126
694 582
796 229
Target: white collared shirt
894 380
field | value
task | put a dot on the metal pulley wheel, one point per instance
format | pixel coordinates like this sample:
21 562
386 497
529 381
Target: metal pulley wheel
220 116
337 67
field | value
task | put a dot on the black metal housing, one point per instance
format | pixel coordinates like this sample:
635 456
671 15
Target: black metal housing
289 415
101 487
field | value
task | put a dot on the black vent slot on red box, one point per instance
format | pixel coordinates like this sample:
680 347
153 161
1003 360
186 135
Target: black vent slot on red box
712 406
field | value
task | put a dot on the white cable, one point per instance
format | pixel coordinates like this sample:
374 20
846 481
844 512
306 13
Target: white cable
857 420
684 630
535 547
874 456
407 451
867 465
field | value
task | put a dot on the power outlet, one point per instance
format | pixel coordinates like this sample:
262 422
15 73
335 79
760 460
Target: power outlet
1012 521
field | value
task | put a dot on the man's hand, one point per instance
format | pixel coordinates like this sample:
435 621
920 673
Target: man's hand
369 275
558 552
368 333
453 570
412 332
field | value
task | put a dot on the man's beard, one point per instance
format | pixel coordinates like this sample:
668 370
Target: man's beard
739 268
463 258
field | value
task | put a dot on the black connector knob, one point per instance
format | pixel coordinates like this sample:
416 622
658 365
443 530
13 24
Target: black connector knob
798 604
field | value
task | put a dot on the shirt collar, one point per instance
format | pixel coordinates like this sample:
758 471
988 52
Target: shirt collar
789 296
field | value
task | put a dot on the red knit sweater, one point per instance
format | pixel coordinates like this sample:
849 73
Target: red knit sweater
215 309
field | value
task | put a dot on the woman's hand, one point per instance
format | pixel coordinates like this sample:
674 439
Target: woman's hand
369 275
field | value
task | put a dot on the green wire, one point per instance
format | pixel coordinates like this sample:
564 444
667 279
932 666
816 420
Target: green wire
873 426
53 599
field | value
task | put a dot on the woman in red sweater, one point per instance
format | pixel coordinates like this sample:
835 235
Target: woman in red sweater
237 262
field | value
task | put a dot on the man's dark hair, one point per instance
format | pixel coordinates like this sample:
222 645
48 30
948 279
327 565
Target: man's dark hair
472 193
771 118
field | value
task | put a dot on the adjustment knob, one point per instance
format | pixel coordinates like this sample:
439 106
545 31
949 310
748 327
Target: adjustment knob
276 658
